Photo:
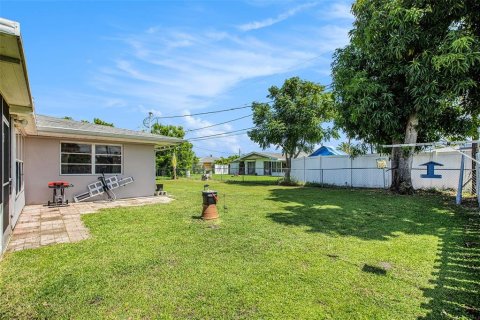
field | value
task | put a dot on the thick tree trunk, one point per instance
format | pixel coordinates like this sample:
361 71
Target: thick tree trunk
288 169
402 170
402 158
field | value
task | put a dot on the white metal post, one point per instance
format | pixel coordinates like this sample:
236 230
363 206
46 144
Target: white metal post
304 170
478 179
460 181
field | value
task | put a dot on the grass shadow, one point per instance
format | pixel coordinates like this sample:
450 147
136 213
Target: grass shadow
457 278
367 214
379 215
375 270
252 182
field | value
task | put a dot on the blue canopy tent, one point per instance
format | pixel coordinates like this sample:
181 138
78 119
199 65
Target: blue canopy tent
327 151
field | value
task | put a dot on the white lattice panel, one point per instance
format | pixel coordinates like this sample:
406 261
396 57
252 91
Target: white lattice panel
95 188
125 181
112 182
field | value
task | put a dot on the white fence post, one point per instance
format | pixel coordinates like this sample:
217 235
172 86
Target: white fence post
351 172
477 179
304 170
363 171
460 181
320 170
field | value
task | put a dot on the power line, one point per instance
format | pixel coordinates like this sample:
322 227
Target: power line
147 121
291 68
216 137
217 124
219 134
295 66
224 134
201 113
201 148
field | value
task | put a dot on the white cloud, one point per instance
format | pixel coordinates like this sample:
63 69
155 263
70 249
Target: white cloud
170 70
71 102
271 21
228 143
172 78
340 11
114 103
144 110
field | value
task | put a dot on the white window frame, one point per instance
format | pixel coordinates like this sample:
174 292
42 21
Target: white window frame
254 166
276 166
92 154
19 156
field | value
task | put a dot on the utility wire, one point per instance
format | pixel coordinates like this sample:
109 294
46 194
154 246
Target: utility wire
200 113
291 68
219 134
148 121
217 124
216 137
217 151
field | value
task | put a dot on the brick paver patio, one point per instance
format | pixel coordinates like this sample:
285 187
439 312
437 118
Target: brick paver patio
39 225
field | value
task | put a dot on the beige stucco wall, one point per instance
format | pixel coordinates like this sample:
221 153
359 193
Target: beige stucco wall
43 165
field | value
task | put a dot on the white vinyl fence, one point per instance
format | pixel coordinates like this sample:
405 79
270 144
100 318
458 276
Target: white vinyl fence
220 169
362 172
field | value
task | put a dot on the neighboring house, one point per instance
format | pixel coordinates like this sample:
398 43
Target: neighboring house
37 149
208 163
259 163
327 151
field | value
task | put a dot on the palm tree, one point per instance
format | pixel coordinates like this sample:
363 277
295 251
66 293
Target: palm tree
345 147
174 166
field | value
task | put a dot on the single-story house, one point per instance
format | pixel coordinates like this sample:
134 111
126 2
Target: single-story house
79 152
259 163
38 149
327 151
208 163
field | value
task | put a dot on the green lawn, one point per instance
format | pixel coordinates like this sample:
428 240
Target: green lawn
276 253
230 178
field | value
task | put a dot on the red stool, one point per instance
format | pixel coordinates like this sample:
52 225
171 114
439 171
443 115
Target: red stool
59 198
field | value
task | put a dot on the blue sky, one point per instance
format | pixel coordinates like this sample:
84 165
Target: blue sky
120 60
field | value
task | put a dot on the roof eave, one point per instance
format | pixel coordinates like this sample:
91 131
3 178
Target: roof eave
262 155
24 110
81 134
10 27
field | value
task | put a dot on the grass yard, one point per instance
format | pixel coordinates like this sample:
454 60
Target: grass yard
231 178
276 253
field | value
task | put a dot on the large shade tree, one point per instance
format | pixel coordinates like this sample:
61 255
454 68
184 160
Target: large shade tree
181 156
409 74
293 121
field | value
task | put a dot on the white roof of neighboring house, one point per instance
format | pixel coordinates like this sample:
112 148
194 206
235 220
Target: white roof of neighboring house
64 128
444 149
208 159
262 155
274 156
